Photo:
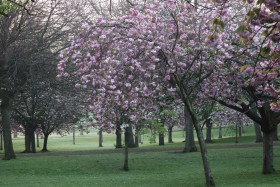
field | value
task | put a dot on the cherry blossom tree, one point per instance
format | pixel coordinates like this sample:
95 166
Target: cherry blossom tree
130 59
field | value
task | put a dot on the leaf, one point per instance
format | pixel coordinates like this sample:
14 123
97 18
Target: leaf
222 24
240 29
243 68
265 51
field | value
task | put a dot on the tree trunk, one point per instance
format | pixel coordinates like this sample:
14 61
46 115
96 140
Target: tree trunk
160 139
259 137
74 135
189 138
119 137
15 134
30 146
220 132
161 136
236 133
136 140
33 145
208 131
6 128
275 134
268 153
126 139
1 139
37 137
140 139
81 130
170 134
27 140
100 138
240 130
131 138
203 150
45 148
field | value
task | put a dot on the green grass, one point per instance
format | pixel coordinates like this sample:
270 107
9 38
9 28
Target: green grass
230 167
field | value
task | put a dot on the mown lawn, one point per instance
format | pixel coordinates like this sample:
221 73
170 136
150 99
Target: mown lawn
230 167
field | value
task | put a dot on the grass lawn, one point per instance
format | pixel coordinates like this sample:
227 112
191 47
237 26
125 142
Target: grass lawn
230 167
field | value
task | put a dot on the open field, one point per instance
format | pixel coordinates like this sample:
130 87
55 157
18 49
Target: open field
154 167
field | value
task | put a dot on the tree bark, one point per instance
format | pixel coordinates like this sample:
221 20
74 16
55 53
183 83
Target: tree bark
100 138
240 130
275 134
131 143
136 140
236 133
208 131
33 145
45 148
118 137
170 134
189 138
74 135
203 150
37 137
160 139
220 132
1 139
81 130
259 137
161 136
30 146
6 128
126 138
268 153
15 134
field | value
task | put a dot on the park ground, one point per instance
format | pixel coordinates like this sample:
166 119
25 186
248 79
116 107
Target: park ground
85 164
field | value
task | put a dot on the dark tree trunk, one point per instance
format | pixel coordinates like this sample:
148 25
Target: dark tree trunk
268 153
136 140
220 132
27 141
118 137
240 130
259 137
33 145
131 138
74 135
236 133
30 146
1 139
275 134
208 131
100 138
37 137
6 128
45 148
81 130
126 139
189 138
170 134
161 136
161 139
15 134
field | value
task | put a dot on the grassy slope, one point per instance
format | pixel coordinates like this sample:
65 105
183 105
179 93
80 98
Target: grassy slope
231 167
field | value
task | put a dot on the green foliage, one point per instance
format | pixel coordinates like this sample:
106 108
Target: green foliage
241 29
